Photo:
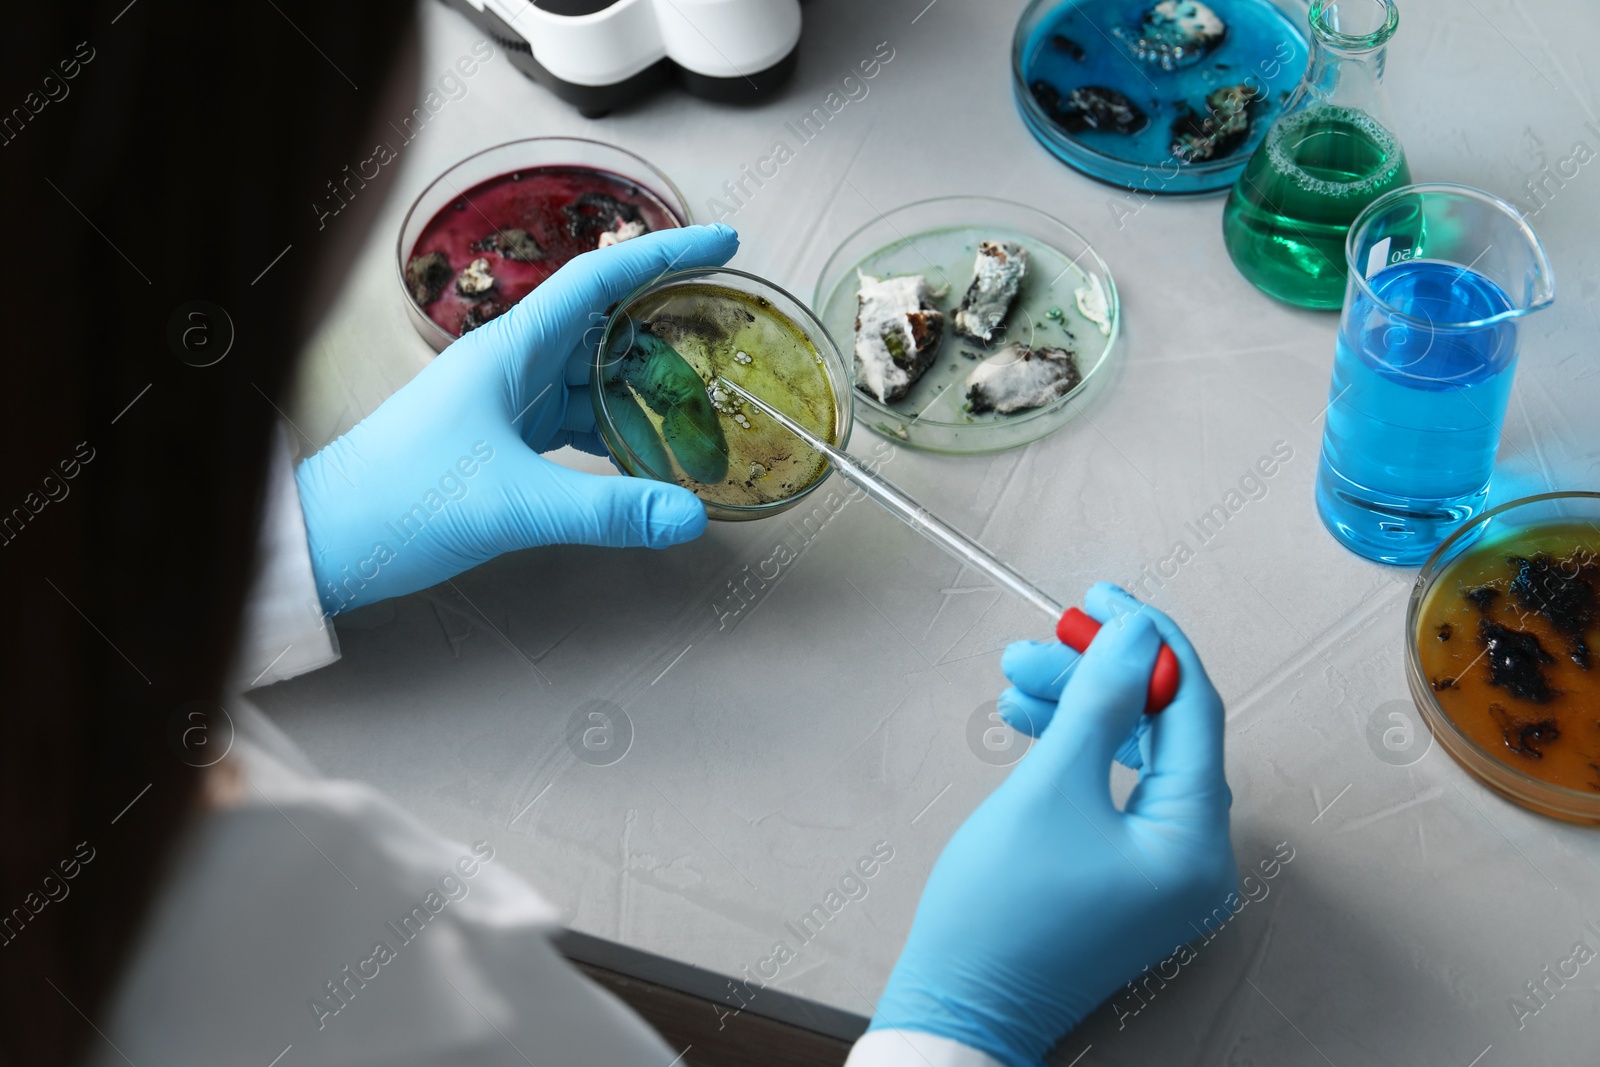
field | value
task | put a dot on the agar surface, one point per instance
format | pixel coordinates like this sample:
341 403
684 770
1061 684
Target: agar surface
680 429
1503 641
503 237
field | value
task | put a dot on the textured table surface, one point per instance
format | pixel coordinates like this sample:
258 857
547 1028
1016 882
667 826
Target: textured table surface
788 695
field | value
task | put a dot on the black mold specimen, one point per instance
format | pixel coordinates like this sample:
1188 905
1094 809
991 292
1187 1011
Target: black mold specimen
592 214
517 245
1219 132
1049 101
1514 658
1482 597
1441 684
1108 110
712 325
1562 594
426 277
1524 736
1445 630
1063 43
1090 107
482 312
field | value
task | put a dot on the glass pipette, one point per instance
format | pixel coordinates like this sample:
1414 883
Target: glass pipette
1074 628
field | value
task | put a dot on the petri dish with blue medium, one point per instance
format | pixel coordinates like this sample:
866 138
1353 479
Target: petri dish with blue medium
973 324
662 415
1157 96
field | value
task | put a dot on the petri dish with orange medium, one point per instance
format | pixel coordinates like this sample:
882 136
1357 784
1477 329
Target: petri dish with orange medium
1503 651
662 416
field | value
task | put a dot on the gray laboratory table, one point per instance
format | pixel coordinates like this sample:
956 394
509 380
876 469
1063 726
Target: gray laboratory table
777 718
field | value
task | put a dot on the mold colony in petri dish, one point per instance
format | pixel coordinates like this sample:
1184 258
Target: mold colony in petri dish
1165 97
490 246
1504 640
662 416
1002 353
968 336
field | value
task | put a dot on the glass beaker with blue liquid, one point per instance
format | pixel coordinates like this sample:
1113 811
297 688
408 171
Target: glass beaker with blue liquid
1439 278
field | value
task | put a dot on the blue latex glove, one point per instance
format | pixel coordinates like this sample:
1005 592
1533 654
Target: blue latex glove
1048 899
447 473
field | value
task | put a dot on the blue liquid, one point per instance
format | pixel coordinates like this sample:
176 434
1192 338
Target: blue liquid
1262 47
1415 412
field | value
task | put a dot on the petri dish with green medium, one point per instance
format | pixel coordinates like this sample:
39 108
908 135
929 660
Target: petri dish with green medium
662 416
1065 304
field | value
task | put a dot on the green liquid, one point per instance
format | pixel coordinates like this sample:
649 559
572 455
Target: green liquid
656 384
1289 213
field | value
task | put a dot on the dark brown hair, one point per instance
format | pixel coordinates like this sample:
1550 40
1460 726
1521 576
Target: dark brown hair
154 155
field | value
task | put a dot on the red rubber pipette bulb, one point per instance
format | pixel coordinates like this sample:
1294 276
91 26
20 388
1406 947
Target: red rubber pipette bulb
1076 630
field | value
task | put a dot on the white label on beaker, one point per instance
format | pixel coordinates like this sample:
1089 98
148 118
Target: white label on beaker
1377 258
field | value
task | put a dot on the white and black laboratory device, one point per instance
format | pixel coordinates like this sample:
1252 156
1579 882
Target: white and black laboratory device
603 54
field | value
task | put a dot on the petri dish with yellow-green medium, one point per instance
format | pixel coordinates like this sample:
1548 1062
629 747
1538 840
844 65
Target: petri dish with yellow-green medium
662 417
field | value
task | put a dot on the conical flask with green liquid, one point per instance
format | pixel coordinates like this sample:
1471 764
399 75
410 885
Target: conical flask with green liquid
1330 153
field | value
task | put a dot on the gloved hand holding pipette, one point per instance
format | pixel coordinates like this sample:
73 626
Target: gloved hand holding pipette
446 474
1074 628
1048 899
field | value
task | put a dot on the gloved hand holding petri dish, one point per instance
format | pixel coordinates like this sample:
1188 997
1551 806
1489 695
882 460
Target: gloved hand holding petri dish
662 414
448 472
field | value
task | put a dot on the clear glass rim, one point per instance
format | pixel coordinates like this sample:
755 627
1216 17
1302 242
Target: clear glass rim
1353 42
1580 802
1113 300
1544 292
597 364
678 203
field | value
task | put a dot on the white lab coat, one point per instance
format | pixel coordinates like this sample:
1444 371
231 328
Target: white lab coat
312 921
